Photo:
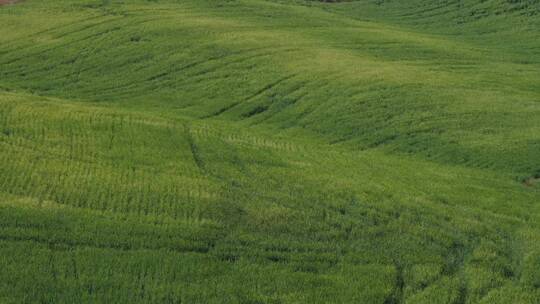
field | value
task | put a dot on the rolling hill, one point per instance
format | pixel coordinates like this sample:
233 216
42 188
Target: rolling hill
270 151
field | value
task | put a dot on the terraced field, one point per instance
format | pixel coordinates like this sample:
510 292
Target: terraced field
270 151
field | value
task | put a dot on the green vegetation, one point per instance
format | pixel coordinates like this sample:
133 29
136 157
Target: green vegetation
270 151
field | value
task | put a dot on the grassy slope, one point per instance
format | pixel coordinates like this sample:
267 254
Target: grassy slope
269 151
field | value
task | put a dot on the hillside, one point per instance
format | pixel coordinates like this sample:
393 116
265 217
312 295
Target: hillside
270 151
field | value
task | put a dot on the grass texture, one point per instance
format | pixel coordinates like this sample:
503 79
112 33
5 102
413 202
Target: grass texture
270 151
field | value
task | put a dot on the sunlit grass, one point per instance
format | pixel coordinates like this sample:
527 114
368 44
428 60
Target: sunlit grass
269 152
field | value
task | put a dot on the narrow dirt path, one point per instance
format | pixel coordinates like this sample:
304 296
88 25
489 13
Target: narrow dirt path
531 181
4 2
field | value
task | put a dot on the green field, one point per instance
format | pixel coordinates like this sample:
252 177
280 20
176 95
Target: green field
270 151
